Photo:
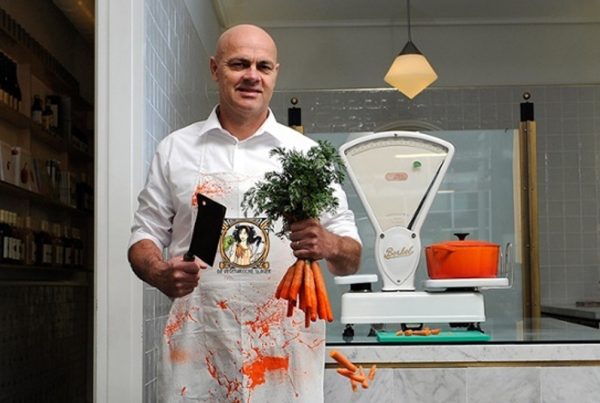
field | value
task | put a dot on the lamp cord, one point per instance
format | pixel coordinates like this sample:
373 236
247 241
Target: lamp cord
408 19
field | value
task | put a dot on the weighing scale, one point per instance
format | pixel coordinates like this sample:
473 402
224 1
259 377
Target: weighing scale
396 176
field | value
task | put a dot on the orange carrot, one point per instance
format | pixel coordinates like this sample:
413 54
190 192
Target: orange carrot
310 302
371 375
288 274
302 300
290 308
424 332
436 331
324 307
361 372
309 282
296 280
358 378
284 285
354 385
343 360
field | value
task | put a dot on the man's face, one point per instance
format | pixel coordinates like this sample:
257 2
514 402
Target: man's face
245 69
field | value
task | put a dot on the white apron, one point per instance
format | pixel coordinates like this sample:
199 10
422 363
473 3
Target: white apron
230 340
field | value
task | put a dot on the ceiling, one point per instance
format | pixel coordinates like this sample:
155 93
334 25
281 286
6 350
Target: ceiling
81 13
299 13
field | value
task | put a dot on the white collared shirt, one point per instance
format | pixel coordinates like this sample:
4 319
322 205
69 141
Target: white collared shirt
164 213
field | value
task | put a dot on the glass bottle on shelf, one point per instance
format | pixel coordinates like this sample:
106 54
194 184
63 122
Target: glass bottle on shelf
78 259
36 109
52 101
5 239
29 241
4 84
43 242
16 88
58 251
18 246
68 247
47 117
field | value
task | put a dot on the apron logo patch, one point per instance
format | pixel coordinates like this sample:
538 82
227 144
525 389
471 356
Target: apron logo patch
244 246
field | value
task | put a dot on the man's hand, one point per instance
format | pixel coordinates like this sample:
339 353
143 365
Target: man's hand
175 277
310 240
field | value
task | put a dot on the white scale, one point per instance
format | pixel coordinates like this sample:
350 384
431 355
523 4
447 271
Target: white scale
397 175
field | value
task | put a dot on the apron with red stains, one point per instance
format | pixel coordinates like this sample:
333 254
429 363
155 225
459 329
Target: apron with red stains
230 339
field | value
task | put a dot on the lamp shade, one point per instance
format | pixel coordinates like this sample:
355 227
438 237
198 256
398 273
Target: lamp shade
410 73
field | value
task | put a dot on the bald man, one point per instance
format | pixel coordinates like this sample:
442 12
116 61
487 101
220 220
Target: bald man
227 339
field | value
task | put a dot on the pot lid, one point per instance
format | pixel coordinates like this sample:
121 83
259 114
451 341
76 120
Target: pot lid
467 243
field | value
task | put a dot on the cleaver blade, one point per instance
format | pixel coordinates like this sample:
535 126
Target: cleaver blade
207 230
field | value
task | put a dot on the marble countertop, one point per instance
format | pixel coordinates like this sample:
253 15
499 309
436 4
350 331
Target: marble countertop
545 339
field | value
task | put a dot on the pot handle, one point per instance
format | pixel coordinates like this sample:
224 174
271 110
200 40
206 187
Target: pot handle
461 235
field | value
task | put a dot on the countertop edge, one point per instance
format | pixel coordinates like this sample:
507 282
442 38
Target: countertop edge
477 353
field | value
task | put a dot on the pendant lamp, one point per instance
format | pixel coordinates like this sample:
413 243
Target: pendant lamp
410 73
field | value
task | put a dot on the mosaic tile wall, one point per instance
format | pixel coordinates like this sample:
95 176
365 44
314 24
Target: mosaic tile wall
176 72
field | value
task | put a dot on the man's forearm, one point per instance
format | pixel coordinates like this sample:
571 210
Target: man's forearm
346 257
143 256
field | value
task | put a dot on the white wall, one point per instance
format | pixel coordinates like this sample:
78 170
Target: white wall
463 55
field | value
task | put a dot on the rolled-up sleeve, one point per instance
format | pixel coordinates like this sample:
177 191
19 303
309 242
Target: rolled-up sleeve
154 217
341 222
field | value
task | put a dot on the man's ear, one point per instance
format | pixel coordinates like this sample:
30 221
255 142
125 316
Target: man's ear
213 68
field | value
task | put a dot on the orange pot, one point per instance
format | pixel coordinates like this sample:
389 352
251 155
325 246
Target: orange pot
462 259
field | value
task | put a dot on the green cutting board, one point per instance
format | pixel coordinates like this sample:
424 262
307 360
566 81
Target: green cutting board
459 336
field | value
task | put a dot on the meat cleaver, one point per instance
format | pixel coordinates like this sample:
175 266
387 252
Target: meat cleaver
207 230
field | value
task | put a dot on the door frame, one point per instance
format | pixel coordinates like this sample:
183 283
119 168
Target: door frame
118 294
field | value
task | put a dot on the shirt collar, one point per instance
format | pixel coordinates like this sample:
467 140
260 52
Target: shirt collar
269 126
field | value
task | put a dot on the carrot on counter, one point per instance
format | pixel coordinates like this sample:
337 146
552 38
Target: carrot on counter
372 371
349 374
343 360
365 382
354 385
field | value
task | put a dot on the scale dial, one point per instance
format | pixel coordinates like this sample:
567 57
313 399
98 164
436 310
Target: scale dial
395 174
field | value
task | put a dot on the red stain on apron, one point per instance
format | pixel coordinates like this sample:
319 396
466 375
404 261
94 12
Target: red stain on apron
176 322
256 370
263 321
210 188
230 385
178 355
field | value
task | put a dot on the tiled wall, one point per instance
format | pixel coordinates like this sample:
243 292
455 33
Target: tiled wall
568 123
176 74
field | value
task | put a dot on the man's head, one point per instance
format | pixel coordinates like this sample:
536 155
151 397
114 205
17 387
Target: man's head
245 68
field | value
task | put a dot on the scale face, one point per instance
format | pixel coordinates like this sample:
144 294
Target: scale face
396 175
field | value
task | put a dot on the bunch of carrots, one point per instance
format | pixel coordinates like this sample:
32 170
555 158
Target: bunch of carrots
303 286
356 374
